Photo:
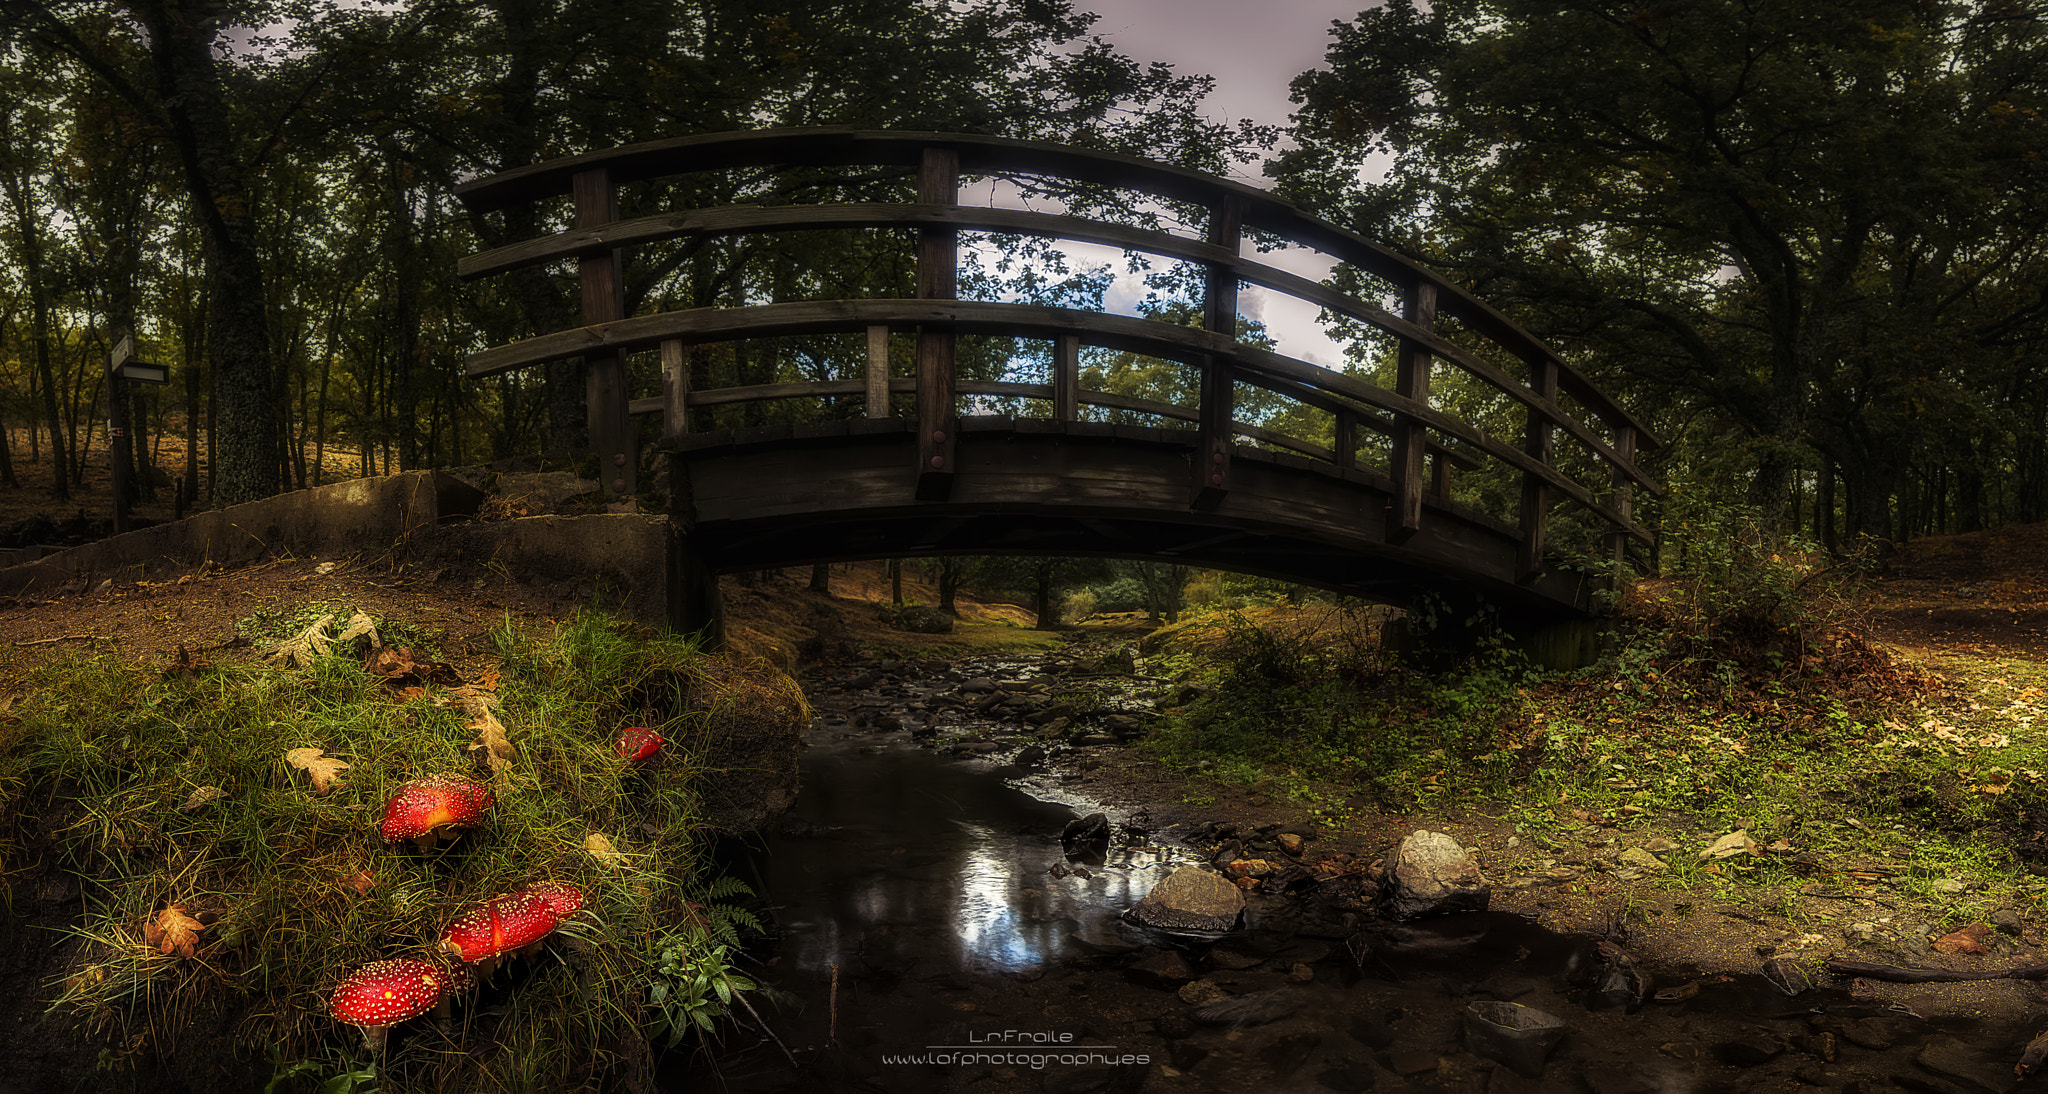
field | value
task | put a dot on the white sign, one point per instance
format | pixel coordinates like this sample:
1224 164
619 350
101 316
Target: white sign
123 350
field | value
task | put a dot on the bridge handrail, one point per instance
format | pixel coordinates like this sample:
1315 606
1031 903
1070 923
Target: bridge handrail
940 159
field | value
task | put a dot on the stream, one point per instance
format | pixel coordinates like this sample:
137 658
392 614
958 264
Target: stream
929 933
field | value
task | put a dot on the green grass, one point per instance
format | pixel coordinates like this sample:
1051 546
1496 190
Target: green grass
1789 737
104 757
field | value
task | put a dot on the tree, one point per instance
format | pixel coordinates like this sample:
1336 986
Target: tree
1820 222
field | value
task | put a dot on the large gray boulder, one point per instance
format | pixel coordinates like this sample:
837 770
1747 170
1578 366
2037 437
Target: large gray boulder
1190 899
1428 873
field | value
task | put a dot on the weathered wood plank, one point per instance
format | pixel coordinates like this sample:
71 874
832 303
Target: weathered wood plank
602 280
675 390
1346 439
1210 470
1535 506
938 278
877 392
1411 443
1066 377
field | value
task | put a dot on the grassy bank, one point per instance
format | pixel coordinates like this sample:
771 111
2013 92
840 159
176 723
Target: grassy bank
1846 761
226 894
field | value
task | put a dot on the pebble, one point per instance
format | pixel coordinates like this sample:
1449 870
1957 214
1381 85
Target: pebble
1200 993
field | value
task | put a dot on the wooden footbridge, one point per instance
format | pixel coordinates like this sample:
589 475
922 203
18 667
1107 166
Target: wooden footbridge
1194 484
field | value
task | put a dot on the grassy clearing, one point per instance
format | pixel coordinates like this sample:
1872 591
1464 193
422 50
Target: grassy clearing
104 775
1715 712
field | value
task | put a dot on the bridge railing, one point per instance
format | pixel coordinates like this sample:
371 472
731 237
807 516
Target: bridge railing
1419 434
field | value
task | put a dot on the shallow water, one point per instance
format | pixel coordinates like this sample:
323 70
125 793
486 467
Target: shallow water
911 895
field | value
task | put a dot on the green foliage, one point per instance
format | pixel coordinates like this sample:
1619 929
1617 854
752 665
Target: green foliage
295 889
693 982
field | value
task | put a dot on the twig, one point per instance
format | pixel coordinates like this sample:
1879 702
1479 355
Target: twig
1913 974
832 1025
769 1033
66 638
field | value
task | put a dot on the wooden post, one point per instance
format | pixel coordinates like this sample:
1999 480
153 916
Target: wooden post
1536 493
1439 477
1346 440
604 301
675 389
1066 378
938 277
878 372
1216 436
1410 438
1622 495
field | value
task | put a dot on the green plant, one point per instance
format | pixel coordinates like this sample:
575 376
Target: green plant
693 982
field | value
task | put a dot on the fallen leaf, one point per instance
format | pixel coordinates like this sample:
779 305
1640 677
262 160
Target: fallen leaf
173 930
201 796
490 732
362 881
323 770
300 649
186 667
404 665
601 849
360 625
1730 845
1970 939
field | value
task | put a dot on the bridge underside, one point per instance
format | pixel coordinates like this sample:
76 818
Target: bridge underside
789 495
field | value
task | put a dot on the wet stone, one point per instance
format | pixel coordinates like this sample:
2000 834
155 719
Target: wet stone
1166 971
1411 1061
1750 1048
1199 993
1348 1077
1190 899
1428 873
1174 1027
1953 1059
2008 921
1255 1009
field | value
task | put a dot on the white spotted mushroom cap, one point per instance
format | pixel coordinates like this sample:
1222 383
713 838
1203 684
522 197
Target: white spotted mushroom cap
384 993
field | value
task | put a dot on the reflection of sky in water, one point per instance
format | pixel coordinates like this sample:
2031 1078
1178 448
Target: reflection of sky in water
930 861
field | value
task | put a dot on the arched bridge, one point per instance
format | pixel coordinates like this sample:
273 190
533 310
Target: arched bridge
1446 481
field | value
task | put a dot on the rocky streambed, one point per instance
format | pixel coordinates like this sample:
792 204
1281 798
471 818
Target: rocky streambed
949 913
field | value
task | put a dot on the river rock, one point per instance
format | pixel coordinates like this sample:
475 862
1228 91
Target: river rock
1200 993
1166 971
1290 843
1190 899
1428 873
1642 860
1255 1009
1950 1057
1091 830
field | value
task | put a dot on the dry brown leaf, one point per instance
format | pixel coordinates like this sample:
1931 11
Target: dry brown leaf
186 667
173 931
201 796
323 770
360 624
405 665
490 732
1968 940
602 850
300 649
362 881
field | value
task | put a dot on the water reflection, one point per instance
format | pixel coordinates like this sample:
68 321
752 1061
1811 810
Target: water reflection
903 857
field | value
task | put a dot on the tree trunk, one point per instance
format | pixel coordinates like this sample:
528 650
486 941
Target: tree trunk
1041 597
949 583
28 224
896 581
181 41
821 578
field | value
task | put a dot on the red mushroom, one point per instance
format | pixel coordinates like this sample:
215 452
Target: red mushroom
382 994
638 743
514 922
428 808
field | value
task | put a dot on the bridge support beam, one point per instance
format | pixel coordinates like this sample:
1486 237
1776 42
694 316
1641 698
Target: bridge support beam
694 606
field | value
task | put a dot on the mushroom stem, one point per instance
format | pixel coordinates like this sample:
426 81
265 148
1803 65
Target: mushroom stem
373 1038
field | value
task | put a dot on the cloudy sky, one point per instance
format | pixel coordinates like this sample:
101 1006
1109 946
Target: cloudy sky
1253 48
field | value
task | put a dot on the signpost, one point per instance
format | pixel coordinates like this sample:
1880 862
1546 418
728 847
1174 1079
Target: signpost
123 368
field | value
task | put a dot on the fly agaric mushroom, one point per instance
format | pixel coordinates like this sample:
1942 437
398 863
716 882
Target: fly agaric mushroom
382 994
637 744
425 809
514 922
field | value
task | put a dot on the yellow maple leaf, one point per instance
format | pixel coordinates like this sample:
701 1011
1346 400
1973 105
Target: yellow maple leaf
602 850
173 931
477 703
322 770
